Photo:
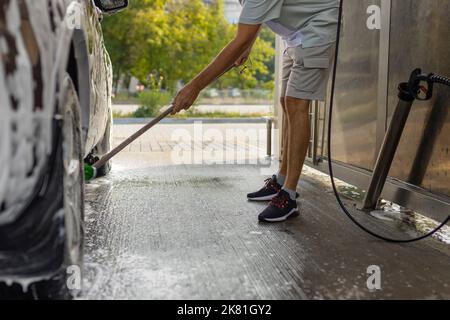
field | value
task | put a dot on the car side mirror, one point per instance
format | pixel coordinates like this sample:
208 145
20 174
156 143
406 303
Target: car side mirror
111 6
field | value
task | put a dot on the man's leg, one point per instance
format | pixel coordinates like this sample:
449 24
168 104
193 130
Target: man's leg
285 142
284 205
309 82
299 135
273 185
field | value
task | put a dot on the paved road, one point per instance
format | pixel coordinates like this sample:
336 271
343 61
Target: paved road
160 230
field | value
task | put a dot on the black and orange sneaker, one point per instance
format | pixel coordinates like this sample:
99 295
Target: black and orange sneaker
268 192
280 208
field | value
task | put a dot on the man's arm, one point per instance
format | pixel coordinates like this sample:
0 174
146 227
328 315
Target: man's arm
245 37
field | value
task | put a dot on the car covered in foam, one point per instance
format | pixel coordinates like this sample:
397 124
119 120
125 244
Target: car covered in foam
55 113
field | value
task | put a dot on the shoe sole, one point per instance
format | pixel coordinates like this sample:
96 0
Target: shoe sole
281 219
266 198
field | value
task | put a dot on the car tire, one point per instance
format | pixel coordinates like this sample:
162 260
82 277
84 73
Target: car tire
73 151
60 203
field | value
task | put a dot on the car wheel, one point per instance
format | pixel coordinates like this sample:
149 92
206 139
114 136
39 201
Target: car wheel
55 216
73 150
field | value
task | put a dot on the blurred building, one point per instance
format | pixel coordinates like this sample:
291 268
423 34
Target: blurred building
232 9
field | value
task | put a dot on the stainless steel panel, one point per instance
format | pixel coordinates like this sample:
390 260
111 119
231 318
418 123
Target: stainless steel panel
420 37
414 33
355 112
383 71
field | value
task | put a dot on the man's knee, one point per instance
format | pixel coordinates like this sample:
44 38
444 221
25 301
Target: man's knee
283 104
295 106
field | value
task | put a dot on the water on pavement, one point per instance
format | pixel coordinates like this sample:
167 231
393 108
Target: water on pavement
156 230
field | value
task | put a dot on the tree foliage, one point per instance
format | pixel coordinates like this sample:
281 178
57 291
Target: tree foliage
175 39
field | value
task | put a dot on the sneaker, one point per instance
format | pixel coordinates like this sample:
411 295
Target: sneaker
280 208
268 192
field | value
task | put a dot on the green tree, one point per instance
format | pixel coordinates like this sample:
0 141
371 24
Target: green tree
175 40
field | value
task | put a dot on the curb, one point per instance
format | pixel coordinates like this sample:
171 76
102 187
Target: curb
124 121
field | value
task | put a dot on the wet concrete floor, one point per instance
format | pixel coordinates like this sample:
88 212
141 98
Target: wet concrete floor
156 230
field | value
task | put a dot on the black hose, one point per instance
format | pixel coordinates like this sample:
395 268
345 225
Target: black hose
440 79
330 161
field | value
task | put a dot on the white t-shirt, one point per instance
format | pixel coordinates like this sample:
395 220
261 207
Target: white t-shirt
291 38
311 23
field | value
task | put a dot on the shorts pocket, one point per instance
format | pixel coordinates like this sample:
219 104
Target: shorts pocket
316 63
311 76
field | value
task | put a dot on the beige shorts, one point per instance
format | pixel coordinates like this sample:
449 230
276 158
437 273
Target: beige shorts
306 72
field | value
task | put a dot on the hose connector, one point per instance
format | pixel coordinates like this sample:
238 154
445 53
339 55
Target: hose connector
421 86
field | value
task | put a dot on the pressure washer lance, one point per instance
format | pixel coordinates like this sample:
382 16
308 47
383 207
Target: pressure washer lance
90 171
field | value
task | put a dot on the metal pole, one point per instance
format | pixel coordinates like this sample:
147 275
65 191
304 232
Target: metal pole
315 132
278 112
389 148
269 123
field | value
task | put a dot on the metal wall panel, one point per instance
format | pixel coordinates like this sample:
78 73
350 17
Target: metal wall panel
420 37
414 33
355 113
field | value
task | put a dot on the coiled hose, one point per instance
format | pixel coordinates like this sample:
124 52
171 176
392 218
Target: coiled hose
435 78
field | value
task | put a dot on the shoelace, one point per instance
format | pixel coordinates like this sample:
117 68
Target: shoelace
280 201
270 184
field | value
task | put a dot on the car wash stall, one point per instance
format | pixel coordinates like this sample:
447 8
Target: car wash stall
162 230
381 43
171 218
